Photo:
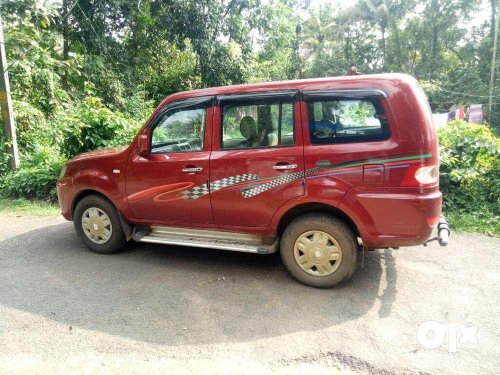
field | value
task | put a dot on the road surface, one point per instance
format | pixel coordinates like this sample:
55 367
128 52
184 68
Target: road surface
152 308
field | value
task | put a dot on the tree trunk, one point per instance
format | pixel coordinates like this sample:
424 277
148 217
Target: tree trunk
493 66
493 18
435 39
397 50
382 29
65 43
347 51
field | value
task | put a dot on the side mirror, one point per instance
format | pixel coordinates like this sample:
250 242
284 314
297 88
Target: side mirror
143 145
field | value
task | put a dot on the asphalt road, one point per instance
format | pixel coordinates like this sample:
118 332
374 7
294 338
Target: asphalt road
64 309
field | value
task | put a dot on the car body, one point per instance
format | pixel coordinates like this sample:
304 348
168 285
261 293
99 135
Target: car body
239 164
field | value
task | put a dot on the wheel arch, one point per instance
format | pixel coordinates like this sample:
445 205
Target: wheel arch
315 207
127 228
86 192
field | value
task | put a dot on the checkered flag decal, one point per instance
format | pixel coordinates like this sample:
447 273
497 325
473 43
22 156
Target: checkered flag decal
312 171
201 190
233 180
195 193
252 191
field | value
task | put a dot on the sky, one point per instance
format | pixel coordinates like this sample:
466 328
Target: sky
480 17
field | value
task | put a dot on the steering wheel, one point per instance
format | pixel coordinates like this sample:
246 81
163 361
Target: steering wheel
185 146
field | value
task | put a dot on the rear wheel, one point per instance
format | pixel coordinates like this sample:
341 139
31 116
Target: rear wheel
97 223
319 250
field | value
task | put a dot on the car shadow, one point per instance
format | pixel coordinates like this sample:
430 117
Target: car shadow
177 295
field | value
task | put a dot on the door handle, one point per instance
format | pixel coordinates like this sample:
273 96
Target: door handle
192 169
285 167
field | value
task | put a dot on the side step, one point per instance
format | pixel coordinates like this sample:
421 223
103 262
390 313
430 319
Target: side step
206 238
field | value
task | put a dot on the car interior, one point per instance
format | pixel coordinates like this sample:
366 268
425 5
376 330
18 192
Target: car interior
261 131
331 122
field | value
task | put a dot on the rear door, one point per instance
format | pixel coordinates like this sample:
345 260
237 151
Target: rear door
257 160
347 138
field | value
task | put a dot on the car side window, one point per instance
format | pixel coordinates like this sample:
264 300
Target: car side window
179 131
257 125
346 121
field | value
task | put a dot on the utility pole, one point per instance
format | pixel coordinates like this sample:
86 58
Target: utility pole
9 127
65 43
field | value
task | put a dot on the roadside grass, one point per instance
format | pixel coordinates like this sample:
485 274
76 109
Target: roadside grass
476 222
25 207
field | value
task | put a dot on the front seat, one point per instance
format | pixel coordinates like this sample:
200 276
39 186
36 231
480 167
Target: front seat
248 130
266 135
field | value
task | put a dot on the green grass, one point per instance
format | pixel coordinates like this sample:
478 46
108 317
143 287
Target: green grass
24 207
483 222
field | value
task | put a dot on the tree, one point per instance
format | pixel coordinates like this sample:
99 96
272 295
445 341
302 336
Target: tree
377 11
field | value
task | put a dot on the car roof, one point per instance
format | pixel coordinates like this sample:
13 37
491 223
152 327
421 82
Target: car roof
373 81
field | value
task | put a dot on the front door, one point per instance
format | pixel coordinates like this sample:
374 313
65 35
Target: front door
257 159
170 183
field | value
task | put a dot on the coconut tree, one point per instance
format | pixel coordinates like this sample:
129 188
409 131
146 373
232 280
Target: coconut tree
317 33
378 12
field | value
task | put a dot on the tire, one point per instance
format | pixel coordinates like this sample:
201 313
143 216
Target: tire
327 243
113 239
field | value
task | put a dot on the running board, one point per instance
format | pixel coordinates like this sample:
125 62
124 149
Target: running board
206 238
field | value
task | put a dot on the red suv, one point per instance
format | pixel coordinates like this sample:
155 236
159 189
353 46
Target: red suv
317 169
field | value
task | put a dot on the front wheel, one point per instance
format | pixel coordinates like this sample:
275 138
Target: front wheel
319 250
97 223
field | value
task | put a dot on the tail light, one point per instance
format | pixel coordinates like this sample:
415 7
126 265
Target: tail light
421 175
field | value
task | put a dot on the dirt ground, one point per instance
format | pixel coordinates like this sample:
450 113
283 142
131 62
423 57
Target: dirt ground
151 308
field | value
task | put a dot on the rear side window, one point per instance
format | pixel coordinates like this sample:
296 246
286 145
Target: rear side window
257 125
346 121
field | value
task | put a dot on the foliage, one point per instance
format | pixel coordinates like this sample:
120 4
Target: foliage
91 126
32 48
36 180
4 157
474 222
156 48
470 170
31 126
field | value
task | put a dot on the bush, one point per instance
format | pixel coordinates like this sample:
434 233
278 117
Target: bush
137 107
4 157
31 126
91 126
470 170
125 134
33 180
81 127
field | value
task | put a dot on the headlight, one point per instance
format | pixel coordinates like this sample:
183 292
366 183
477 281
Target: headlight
63 172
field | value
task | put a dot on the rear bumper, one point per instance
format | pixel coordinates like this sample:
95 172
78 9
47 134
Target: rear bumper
393 219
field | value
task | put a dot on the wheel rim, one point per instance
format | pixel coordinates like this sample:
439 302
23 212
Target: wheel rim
97 225
317 253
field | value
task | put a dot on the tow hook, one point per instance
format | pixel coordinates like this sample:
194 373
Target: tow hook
443 231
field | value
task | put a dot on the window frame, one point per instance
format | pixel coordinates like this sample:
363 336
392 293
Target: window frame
177 106
373 96
268 97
